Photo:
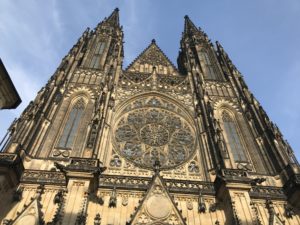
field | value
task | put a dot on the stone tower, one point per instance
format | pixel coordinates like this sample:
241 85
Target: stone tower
150 144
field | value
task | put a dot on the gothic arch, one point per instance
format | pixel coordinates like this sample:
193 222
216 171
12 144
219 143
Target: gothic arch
229 116
71 121
120 108
81 91
224 104
73 114
208 65
151 127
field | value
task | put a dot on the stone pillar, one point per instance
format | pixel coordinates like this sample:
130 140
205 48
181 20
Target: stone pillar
82 175
232 188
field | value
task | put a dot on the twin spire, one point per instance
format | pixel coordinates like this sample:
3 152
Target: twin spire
189 26
153 51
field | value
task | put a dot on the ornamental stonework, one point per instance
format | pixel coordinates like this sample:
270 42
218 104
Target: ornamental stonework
152 130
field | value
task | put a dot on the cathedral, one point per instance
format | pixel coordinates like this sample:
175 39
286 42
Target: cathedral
150 144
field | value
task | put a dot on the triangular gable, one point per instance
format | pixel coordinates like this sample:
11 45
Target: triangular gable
152 56
31 214
157 207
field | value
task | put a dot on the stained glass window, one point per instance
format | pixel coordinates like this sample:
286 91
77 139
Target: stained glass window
207 66
233 138
99 49
71 126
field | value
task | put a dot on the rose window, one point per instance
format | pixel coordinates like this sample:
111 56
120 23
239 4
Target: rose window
144 135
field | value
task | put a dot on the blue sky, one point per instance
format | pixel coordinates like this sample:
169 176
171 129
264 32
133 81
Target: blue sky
261 37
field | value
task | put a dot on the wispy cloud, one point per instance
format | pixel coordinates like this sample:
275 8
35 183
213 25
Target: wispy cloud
28 47
35 35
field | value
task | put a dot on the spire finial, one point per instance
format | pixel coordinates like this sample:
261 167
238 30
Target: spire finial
153 41
112 20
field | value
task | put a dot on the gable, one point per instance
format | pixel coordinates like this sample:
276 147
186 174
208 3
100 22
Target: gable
157 207
152 57
30 215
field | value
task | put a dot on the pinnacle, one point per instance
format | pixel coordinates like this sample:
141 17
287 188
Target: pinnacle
112 20
189 25
190 28
153 41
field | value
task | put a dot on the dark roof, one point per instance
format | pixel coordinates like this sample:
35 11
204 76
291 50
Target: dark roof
12 87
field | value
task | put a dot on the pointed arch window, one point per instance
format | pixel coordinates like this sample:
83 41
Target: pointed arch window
233 138
99 49
68 135
207 66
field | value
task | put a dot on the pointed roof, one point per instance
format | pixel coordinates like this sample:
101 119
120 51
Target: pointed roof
190 28
112 20
31 214
152 55
189 25
157 206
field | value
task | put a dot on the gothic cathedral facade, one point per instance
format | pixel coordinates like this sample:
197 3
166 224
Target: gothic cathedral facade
150 144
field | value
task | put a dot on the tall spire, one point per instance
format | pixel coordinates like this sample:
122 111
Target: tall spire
112 20
191 29
189 26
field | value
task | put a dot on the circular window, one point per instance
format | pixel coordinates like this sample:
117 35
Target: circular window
146 134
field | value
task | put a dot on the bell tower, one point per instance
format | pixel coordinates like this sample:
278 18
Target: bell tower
149 144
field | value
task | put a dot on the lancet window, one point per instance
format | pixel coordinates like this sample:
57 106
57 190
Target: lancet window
69 132
99 49
207 66
233 138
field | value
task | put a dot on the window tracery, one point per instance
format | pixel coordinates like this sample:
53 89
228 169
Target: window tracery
99 49
150 131
207 66
233 138
69 132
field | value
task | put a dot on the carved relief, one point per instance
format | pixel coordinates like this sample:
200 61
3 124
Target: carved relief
152 131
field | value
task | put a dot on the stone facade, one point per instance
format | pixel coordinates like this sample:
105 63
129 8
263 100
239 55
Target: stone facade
150 144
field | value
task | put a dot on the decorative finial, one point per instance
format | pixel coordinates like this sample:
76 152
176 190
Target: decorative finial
201 204
117 9
156 166
113 199
186 17
97 219
153 41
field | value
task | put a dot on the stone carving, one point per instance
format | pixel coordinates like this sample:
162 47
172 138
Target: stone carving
115 161
157 207
289 212
267 191
189 205
153 56
180 186
39 176
97 219
58 197
125 201
113 199
257 181
148 134
201 204
193 167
